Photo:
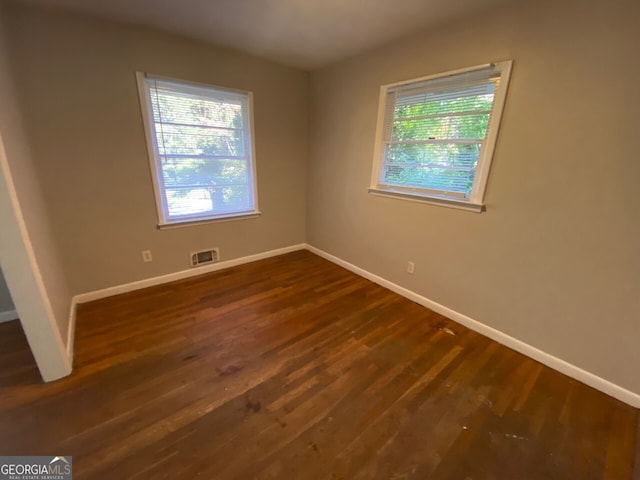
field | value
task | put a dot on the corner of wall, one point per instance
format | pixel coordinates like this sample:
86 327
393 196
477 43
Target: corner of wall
19 193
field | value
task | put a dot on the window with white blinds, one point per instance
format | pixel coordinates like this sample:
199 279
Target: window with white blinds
436 136
199 140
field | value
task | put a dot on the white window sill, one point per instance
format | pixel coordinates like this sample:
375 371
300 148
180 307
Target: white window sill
432 200
203 221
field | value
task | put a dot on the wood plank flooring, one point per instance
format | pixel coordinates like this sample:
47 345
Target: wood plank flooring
294 368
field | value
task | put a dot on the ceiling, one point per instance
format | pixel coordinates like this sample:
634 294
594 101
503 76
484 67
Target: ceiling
307 34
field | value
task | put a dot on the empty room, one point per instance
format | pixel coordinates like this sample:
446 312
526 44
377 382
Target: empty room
319 240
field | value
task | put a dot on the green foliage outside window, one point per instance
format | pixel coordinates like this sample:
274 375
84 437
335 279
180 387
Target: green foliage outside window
435 142
202 149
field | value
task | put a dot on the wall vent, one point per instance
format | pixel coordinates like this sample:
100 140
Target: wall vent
204 257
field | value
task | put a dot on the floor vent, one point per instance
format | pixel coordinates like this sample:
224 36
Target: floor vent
204 257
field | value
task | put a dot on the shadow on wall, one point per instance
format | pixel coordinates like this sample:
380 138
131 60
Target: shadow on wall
6 304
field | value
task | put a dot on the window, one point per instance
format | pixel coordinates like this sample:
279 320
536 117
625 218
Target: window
436 136
199 140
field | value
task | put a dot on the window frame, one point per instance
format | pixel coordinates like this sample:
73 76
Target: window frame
153 154
475 201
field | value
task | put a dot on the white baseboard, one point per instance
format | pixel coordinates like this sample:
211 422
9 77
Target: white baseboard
150 282
8 316
172 277
547 359
71 330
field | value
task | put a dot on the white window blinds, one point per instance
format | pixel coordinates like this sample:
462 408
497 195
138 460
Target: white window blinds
201 149
435 134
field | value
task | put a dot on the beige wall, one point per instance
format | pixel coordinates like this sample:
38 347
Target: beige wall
77 86
29 258
29 189
555 260
6 304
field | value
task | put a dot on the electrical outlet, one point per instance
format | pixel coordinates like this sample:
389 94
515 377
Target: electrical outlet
411 267
146 256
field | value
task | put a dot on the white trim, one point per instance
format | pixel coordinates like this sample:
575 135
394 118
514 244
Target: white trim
245 97
547 359
599 383
476 197
251 148
441 202
450 73
378 150
192 223
172 277
8 316
202 86
152 151
484 165
71 330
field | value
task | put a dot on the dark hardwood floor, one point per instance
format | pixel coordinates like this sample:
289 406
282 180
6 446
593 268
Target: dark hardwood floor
294 368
